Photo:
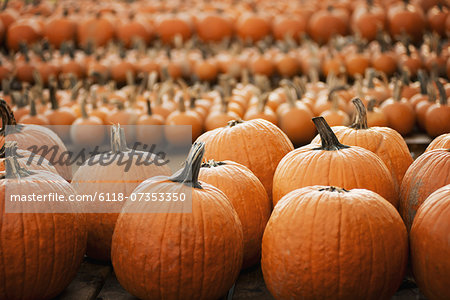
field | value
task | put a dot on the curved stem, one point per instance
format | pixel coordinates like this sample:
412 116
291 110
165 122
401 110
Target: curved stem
188 175
118 141
361 115
52 95
329 140
84 113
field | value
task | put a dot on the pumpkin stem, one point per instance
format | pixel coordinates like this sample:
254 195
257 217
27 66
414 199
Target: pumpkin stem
334 90
361 115
149 107
329 140
14 170
188 175
33 111
212 164
423 80
84 113
371 104
398 87
52 95
234 123
181 105
333 189
118 141
442 94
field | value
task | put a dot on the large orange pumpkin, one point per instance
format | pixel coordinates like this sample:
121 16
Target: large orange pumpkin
385 142
193 254
248 197
332 163
427 173
257 144
40 253
429 238
112 179
325 242
34 138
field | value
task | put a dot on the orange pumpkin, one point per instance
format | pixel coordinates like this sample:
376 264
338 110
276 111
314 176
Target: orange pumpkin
429 245
257 144
419 182
332 163
114 180
441 142
177 237
248 197
329 233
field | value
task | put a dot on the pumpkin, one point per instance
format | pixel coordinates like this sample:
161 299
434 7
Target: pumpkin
97 30
429 238
383 141
375 117
295 120
60 117
115 178
405 18
33 117
149 127
187 246
399 111
213 27
30 233
426 174
257 144
252 27
332 163
325 242
87 130
437 117
248 197
174 133
326 23
441 142
37 139
135 28
60 29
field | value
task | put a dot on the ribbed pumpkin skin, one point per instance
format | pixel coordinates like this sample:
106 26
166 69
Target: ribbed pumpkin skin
168 255
53 244
257 144
427 173
441 142
429 238
349 168
112 179
334 245
34 164
385 142
249 199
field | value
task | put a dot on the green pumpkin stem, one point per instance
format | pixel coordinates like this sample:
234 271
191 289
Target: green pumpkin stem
188 175
118 141
360 116
329 140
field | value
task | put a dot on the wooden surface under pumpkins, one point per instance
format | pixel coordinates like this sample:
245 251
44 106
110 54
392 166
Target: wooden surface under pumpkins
96 281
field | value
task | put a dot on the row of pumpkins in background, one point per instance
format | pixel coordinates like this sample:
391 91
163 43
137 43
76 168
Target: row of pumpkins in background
83 21
347 56
400 105
334 232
